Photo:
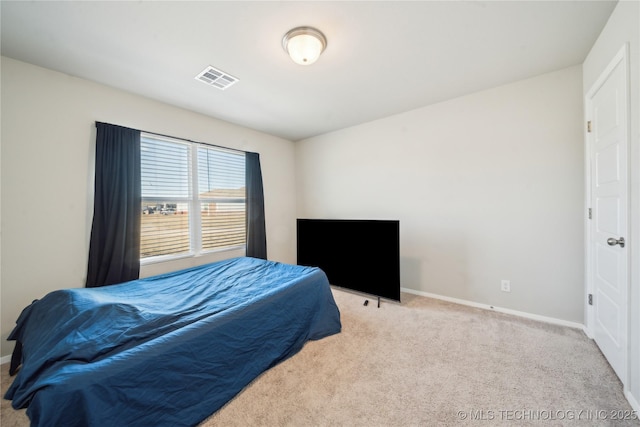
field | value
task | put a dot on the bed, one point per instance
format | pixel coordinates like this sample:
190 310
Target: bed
168 350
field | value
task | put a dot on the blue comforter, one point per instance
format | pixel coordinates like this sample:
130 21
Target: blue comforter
167 350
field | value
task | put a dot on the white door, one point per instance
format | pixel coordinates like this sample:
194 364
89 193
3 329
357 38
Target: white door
608 251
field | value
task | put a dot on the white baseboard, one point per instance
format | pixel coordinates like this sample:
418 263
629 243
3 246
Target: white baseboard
632 401
5 359
498 309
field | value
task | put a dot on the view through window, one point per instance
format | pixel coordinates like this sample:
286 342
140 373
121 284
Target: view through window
193 198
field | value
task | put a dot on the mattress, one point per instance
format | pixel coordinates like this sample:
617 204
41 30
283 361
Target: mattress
168 350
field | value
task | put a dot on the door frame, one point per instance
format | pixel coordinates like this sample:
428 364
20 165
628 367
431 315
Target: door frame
621 56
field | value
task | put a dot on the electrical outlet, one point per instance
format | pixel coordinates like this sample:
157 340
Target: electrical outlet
505 286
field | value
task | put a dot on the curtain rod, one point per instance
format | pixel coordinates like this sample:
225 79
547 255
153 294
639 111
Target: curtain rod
183 139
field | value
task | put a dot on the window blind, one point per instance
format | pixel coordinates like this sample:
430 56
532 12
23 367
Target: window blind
176 221
222 195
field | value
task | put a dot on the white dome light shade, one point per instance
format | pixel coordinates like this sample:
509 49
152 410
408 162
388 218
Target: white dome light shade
304 45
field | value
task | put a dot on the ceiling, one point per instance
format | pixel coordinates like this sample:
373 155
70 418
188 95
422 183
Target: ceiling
382 58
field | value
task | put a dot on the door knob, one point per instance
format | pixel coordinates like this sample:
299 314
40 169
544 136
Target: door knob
612 242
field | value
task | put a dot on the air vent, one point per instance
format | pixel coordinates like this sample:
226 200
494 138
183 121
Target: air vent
216 78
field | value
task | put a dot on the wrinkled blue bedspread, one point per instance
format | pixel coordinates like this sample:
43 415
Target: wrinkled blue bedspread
168 350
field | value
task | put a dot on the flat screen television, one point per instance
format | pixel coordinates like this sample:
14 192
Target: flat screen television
361 255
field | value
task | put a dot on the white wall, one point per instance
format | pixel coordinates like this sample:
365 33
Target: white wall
622 28
488 186
48 144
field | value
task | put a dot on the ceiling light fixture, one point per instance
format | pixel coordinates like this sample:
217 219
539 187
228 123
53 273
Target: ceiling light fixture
304 44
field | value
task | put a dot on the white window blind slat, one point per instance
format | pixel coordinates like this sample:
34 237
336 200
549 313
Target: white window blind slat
221 188
170 209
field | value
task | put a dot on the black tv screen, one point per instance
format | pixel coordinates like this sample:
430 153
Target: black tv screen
361 255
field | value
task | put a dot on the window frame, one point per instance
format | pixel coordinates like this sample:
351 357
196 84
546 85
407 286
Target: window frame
194 203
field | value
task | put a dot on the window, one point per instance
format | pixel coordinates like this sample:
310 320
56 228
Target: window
193 198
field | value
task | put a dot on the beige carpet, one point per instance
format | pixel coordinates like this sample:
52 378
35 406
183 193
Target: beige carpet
427 363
